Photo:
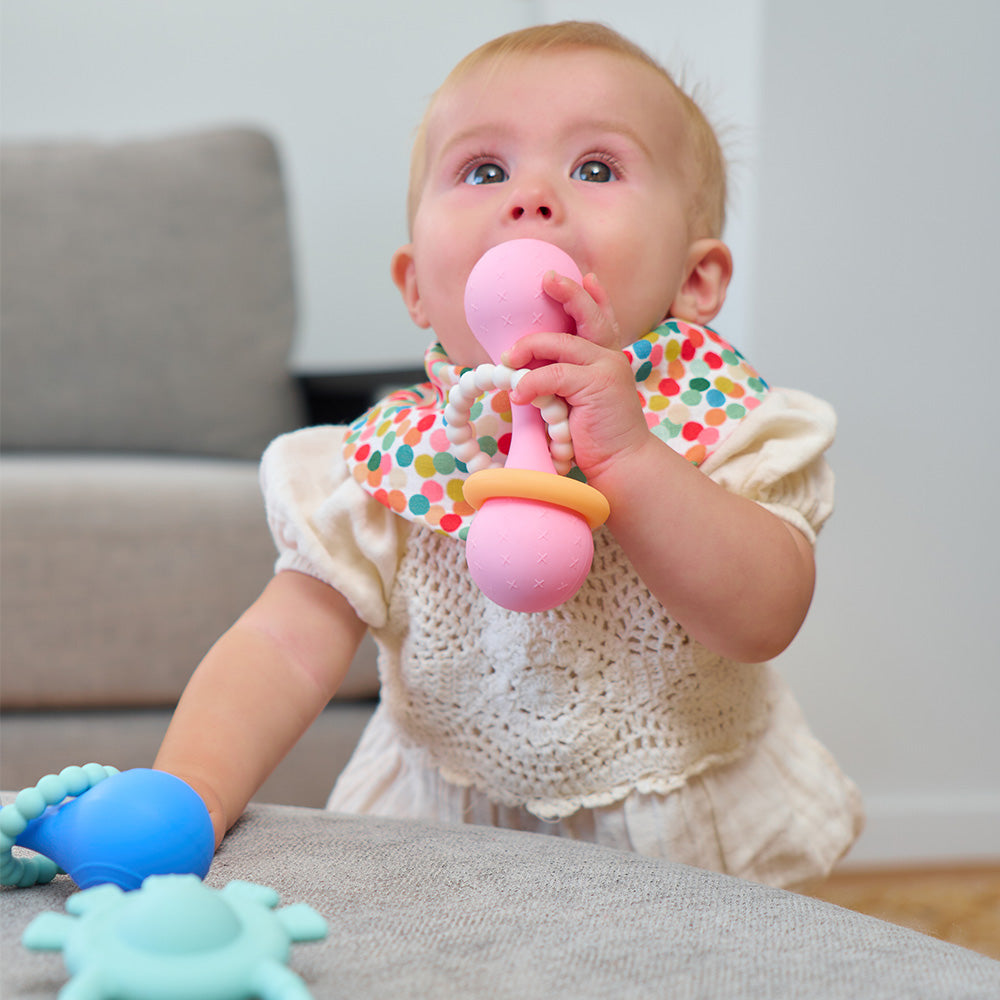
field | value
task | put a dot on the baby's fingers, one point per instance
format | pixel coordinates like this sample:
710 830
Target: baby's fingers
542 350
587 305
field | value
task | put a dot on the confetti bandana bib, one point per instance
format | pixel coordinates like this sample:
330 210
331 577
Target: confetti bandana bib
694 387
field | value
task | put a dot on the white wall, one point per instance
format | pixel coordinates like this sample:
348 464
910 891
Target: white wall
865 216
341 85
876 272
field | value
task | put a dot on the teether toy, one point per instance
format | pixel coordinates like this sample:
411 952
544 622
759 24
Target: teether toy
114 826
177 938
530 545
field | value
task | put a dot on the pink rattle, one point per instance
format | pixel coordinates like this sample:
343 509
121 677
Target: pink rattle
530 544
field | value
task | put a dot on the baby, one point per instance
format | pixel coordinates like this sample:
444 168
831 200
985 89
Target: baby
641 714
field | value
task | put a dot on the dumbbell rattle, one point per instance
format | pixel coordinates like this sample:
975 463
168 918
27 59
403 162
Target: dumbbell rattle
530 545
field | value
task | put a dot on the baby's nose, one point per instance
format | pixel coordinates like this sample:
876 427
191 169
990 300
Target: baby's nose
518 211
534 198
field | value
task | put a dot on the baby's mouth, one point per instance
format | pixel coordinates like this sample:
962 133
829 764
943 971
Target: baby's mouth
543 237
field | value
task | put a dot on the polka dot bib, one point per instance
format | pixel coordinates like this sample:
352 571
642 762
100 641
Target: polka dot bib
694 387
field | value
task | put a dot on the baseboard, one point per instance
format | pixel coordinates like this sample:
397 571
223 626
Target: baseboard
928 828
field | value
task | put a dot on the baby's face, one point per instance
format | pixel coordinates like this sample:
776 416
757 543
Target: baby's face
582 148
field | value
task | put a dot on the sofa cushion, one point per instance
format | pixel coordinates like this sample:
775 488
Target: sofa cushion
147 300
36 743
119 573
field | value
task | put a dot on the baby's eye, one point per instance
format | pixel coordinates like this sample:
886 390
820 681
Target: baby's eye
596 171
486 173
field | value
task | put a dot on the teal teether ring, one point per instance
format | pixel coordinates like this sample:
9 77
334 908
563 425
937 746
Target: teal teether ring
175 937
29 806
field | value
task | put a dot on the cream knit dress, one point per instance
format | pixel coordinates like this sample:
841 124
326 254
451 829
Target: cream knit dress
599 720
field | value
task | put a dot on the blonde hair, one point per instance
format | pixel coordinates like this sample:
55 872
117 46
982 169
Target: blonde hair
708 211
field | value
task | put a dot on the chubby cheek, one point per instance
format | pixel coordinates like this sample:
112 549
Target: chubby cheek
441 261
441 270
657 282
640 275
442 292
640 300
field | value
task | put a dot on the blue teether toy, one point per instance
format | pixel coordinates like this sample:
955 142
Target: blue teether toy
114 826
176 937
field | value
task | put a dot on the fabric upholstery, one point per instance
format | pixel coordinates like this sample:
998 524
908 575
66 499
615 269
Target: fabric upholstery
417 910
120 572
147 300
33 744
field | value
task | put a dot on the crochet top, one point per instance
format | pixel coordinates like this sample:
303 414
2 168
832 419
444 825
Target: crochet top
558 710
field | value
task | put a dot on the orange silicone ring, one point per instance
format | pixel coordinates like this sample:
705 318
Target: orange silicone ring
528 484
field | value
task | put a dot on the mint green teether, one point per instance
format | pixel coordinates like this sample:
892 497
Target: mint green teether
175 937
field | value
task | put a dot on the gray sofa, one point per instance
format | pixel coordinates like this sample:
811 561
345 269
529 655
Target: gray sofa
146 315
421 910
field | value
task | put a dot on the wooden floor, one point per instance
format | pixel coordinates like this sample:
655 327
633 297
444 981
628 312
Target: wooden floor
960 904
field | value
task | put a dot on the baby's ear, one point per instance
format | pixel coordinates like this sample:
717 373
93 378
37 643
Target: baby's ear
404 275
703 291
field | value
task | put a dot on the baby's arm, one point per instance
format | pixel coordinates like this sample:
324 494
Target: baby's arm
738 578
257 691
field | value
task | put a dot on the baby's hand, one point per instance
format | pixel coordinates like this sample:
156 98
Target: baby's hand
589 371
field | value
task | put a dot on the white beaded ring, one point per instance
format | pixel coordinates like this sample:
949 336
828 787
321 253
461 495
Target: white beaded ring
29 805
471 385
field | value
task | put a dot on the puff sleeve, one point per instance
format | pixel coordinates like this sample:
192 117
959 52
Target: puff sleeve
325 525
776 458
